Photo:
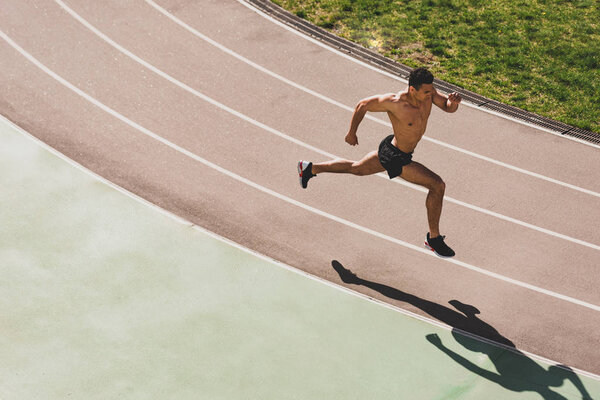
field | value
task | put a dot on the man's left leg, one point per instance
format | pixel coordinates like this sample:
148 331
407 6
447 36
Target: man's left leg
420 175
368 165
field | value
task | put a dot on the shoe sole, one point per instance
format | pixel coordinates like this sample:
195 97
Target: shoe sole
300 173
427 246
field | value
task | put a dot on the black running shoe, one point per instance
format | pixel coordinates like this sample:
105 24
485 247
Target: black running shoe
305 172
438 246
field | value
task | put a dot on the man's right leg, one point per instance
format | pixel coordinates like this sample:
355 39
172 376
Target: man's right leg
368 165
421 175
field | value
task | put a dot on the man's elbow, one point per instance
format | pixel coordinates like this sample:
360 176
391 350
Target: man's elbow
362 106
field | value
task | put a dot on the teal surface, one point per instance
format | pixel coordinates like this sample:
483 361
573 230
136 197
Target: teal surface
104 297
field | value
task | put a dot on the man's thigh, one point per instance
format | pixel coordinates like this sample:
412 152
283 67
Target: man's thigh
420 175
370 164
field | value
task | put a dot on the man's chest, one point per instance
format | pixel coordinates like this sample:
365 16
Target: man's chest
409 116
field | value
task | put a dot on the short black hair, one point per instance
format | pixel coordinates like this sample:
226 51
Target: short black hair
419 76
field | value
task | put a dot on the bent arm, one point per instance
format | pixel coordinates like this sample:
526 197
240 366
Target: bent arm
448 104
378 103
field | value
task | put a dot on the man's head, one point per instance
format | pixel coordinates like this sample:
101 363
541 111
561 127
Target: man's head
418 77
420 83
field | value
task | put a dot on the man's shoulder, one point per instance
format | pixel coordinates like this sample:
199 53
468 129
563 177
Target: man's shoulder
391 101
400 98
387 97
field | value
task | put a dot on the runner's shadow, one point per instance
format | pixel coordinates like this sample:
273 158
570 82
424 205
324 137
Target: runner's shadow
516 371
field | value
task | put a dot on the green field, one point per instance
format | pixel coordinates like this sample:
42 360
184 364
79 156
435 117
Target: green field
541 56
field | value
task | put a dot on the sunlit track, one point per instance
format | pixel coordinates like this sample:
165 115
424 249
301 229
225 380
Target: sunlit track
345 107
300 143
284 198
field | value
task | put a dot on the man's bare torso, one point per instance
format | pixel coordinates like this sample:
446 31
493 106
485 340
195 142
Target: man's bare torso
408 121
408 111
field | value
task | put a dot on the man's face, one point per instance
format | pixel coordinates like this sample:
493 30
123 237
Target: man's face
425 92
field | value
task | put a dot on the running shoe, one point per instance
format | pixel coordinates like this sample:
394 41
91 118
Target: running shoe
438 246
305 172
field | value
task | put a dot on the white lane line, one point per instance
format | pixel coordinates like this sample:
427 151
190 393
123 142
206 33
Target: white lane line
282 197
277 263
345 107
298 142
395 77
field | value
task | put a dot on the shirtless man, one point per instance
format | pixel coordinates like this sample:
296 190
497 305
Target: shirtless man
408 111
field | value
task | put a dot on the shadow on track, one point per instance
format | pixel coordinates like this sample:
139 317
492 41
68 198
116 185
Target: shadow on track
516 371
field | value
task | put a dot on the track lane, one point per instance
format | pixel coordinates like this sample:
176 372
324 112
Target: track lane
187 153
381 121
558 222
313 67
550 215
515 265
281 134
226 146
336 235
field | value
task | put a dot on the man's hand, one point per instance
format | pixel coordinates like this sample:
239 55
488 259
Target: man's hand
454 98
448 104
351 139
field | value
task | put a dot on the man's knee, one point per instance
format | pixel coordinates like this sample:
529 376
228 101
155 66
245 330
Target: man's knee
438 185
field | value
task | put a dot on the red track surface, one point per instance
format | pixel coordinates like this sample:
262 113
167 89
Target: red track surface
534 321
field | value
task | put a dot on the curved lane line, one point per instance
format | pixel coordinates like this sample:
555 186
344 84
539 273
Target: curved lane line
300 143
345 107
282 197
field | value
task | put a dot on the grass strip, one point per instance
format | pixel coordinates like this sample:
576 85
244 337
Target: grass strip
541 56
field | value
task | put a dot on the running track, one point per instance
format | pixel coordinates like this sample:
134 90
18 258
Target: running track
204 109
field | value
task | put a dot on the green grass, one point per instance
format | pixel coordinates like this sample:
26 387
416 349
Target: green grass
541 56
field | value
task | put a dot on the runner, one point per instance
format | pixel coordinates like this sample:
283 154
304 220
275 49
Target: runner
408 112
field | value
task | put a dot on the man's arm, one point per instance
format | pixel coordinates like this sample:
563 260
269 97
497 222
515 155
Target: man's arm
448 104
378 103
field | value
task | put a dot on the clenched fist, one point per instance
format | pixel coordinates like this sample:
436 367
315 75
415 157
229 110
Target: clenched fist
351 139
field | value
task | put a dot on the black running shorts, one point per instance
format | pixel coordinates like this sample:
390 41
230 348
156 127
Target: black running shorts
392 158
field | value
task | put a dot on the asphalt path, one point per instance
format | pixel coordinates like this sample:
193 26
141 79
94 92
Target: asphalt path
205 108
